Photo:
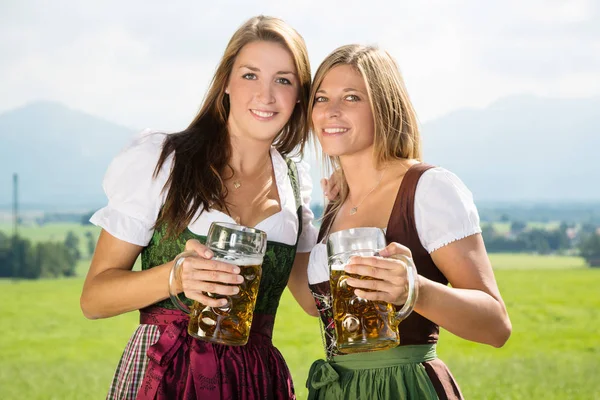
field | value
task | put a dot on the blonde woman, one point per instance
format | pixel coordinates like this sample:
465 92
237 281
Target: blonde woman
164 191
362 116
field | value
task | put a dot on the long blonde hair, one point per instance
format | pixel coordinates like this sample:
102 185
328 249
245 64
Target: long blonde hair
202 150
396 127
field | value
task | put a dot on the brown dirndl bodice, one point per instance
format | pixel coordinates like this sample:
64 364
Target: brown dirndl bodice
402 229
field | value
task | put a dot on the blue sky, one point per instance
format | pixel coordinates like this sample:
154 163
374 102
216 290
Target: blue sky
147 63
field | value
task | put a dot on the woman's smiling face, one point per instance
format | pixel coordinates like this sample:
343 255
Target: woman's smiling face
342 117
263 89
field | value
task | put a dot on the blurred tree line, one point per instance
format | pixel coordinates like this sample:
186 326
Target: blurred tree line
589 248
566 239
578 213
20 258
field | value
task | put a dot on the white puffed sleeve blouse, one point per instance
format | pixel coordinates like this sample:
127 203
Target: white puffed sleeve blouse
444 213
135 197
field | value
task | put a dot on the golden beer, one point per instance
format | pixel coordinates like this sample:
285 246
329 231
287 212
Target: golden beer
361 325
231 323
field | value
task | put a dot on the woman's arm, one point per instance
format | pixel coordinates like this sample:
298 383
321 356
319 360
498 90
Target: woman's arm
298 285
112 288
472 308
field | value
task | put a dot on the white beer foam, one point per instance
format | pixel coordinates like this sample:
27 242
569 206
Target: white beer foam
242 262
338 267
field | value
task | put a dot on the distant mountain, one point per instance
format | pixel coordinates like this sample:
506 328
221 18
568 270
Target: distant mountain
59 153
520 148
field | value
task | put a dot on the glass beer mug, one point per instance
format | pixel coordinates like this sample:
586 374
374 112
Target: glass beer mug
229 324
362 325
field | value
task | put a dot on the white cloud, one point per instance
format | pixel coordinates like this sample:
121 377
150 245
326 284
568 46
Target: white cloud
145 63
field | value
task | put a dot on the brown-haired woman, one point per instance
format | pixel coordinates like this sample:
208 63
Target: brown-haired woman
362 115
164 191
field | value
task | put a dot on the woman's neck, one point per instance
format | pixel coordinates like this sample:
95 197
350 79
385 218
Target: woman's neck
248 156
362 173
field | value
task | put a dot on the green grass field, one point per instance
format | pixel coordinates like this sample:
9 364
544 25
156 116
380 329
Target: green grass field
51 232
48 350
533 261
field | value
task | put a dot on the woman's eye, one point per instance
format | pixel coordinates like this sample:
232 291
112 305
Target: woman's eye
320 99
352 97
284 81
249 76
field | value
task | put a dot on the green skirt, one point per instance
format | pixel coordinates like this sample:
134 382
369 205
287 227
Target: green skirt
380 375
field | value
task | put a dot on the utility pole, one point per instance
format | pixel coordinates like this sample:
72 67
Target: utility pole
15 205
15 239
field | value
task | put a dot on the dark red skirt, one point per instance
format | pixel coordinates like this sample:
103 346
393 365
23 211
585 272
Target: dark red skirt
182 367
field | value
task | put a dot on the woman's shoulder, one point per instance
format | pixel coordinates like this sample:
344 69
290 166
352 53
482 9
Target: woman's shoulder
141 154
135 192
148 143
440 181
134 168
444 209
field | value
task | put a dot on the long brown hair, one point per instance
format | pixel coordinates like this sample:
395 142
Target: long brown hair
396 126
202 151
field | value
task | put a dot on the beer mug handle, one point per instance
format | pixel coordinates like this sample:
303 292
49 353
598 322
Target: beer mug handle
413 290
172 276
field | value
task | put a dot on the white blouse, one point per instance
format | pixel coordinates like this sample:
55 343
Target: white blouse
135 198
444 213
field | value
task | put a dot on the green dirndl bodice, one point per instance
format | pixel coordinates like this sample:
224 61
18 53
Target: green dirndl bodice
276 267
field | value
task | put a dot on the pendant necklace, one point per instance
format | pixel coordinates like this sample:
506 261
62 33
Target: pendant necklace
354 209
237 183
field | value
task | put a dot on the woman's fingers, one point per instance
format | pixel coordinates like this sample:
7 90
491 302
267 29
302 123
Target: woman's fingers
388 277
371 266
376 296
199 248
202 298
371 284
200 275
210 287
333 191
330 188
325 187
212 276
376 290
201 264
395 249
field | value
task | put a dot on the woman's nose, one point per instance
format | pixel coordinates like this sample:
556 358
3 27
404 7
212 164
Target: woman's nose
332 109
265 94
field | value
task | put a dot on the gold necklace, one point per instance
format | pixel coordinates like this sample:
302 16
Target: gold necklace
237 183
354 209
